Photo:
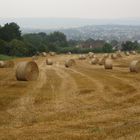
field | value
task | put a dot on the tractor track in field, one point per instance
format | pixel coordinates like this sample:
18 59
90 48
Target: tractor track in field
81 102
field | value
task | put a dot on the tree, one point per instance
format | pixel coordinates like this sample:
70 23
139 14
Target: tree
57 36
107 48
58 39
10 31
18 48
52 47
73 43
114 42
31 50
4 47
129 46
38 41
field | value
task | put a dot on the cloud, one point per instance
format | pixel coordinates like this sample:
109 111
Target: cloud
70 8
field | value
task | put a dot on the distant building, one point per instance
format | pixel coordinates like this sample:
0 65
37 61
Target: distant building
92 44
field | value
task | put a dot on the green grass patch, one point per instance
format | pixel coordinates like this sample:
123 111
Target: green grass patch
6 57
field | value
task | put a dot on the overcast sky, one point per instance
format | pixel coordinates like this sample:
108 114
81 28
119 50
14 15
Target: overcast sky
70 8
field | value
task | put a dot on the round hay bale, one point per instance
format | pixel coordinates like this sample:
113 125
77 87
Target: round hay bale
113 56
9 64
44 54
27 71
133 52
106 55
69 63
108 64
49 62
2 64
101 61
135 66
119 51
82 57
127 53
91 55
94 56
118 54
94 61
52 53
34 57
69 53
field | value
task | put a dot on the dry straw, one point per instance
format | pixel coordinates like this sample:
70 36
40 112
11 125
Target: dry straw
82 57
49 62
52 53
44 54
2 64
69 53
35 57
106 55
101 61
7 64
69 63
118 54
127 53
133 52
114 56
27 71
94 61
135 66
108 64
94 56
91 55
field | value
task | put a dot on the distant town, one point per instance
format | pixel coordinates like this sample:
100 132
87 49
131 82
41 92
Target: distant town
98 32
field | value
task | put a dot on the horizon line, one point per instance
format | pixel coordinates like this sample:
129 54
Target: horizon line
71 18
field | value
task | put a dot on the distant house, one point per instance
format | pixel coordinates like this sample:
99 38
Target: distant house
117 47
92 44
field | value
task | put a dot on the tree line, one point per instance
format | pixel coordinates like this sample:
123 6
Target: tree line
13 43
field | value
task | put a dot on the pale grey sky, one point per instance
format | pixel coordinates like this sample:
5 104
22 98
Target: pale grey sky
70 8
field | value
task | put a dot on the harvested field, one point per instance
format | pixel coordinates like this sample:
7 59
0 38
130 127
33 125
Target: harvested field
83 102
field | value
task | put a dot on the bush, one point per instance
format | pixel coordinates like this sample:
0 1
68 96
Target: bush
107 48
129 46
18 48
5 57
4 47
79 50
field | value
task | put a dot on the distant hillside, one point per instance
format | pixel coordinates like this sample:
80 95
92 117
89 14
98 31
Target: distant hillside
51 23
76 28
102 32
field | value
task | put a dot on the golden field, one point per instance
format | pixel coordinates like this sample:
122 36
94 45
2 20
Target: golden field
83 102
